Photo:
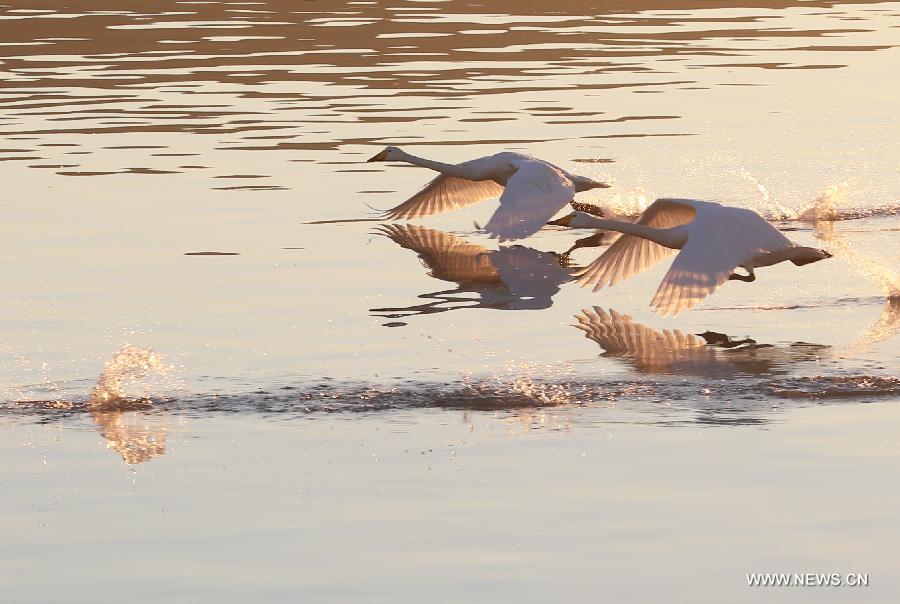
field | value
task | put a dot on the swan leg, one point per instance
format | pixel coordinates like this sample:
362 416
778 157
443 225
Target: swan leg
750 277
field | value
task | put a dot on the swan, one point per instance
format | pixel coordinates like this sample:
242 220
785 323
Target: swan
531 190
713 239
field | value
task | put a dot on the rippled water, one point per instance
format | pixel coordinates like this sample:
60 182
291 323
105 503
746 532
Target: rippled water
196 281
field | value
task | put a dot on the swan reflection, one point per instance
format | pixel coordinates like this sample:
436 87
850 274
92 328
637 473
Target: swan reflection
708 354
510 278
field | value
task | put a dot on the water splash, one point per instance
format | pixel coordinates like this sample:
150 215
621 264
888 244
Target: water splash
831 204
132 373
887 279
886 326
129 377
517 383
628 203
518 380
765 205
823 211
825 205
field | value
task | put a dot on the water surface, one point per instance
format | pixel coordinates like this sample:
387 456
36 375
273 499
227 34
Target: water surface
211 363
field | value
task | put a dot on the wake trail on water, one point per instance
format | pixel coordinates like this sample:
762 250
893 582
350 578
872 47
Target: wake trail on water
830 205
134 395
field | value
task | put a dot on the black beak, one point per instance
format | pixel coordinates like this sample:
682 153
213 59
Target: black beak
380 157
563 222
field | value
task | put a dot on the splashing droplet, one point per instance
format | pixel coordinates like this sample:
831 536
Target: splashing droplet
825 205
629 203
129 374
767 206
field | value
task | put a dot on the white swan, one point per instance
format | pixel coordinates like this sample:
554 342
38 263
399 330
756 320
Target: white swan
713 239
531 190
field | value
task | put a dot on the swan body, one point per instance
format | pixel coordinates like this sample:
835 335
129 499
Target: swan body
713 241
531 190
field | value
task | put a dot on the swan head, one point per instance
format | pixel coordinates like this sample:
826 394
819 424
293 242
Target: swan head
388 154
577 220
810 255
565 221
583 183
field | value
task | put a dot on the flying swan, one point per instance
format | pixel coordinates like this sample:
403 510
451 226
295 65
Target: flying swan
714 240
531 191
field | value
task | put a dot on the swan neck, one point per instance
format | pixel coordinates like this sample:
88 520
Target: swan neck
664 237
583 220
427 163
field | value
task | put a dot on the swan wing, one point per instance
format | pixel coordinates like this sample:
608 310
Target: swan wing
446 256
720 240
442 194
630 254
619 334
533 194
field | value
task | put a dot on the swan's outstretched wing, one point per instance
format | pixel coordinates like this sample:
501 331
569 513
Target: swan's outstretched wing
447 257
442 194
630 254
721 239
532 196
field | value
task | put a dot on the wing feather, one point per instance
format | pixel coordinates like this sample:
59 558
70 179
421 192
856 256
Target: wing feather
442 194
630 255
533 195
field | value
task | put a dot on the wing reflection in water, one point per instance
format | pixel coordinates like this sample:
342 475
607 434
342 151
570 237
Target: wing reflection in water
672 352
510 278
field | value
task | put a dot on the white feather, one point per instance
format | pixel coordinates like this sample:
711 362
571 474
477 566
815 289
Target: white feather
442 194
716 240
533 195
631 254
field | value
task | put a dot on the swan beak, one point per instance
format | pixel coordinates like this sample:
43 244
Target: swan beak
602 185
380 157
828 254
564 221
